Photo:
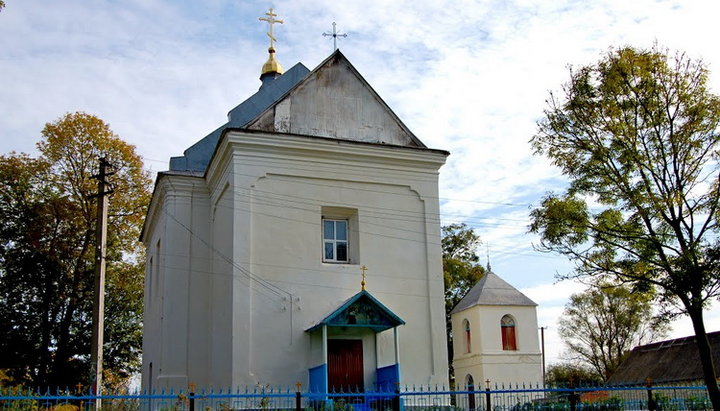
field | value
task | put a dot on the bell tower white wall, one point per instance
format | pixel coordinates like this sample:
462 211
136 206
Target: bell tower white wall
487 360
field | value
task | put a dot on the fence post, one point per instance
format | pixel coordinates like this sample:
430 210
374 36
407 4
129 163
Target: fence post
487 395
471 396
396 398
298 397
191 397
651 401
573 396
78 393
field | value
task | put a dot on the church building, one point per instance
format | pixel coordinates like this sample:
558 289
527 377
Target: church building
495 336
298 242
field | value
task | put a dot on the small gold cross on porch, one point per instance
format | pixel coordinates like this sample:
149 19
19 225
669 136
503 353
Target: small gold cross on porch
362 283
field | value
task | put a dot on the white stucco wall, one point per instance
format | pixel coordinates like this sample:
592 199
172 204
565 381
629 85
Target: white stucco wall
176 290
487 360
244 276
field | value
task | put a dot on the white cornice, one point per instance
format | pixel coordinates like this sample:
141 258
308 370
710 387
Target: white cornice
271 146
179 184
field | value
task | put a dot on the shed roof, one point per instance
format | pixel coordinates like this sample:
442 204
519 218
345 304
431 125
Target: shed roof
666 361
492 290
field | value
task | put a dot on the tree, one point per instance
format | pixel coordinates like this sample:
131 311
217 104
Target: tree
47 238
571 375
460 272
460 262
602 324
637 134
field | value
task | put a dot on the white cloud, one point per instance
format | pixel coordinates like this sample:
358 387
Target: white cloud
553 294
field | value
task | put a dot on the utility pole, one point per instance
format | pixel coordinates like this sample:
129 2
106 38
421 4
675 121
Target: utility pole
542 343
96 351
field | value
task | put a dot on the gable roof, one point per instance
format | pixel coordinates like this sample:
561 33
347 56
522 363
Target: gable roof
335 101
492 290
666 361
361 310
332 101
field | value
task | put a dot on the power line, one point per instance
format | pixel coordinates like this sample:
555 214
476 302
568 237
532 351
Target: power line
277 290
331 168
255 277
296 202
279 266
265 283
251 277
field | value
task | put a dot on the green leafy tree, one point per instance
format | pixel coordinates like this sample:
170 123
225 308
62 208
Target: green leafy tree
571 374
601 325
461 269
637 134
460 272
47 247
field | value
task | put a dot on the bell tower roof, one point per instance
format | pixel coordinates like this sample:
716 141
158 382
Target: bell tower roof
492 290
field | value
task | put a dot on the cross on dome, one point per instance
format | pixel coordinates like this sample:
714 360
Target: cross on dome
272 68
271 20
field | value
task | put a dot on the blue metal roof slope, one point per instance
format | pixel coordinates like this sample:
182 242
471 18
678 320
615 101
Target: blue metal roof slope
197 157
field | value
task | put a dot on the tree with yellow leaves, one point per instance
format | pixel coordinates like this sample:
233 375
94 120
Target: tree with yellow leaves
47 247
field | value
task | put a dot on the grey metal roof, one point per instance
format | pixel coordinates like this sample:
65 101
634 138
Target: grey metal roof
197 157
492 290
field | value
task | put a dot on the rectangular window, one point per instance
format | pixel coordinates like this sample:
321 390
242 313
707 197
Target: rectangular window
335 240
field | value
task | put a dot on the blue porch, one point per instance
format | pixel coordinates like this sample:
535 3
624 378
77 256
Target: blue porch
361 311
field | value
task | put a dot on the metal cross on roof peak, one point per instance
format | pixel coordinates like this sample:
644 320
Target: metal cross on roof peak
334 35
362 283
271 20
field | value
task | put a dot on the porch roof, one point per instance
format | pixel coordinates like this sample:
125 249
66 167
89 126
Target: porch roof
361 310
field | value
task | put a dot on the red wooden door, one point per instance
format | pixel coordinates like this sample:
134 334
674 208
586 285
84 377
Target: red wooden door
345 366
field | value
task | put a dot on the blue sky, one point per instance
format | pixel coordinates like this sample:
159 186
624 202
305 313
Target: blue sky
469 77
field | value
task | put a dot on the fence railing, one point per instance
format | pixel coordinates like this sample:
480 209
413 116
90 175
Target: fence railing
499 398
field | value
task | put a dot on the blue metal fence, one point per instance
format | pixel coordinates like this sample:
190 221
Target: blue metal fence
665 397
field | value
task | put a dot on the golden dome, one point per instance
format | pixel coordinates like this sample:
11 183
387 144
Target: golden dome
271 65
